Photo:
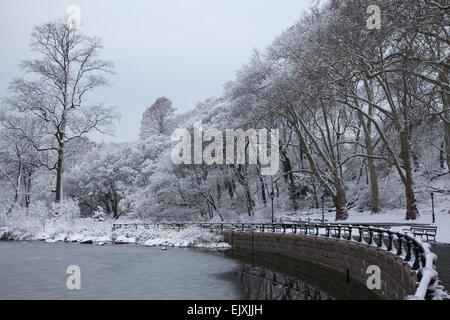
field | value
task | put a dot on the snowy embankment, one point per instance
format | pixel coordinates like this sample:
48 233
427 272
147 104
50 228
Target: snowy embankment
171 237
87 230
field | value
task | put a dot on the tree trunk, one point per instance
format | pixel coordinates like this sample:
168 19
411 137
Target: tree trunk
16 198
17 189
446 114
374 193
229 187
27 187
301 159
249 199
289 178
340 203
447 141
263 191
411 205
219 191
59 176
242 176
316 198
277 188
373 178
367 128
106 203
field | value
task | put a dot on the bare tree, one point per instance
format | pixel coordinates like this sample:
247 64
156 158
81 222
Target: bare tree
19 159
56 92
157 117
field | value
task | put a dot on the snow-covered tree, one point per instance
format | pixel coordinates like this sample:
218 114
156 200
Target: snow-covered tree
55 91
156 118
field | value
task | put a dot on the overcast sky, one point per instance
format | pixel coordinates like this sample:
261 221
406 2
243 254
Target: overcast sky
183 49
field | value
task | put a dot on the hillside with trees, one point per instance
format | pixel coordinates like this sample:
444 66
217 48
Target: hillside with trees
363 116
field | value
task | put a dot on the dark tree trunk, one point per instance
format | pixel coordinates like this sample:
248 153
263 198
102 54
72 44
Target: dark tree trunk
446 114
27 187
249 200
411 205
242 176
316 198
229 187
263 191
340 203
277 188
106 202
219 191
59 175
289 178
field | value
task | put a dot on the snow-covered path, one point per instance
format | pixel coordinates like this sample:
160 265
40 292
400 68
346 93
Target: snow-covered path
443 263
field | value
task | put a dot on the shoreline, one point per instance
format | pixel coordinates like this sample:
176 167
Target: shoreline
189 237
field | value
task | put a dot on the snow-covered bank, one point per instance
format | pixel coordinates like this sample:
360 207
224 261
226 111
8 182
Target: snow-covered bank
170 237
87 230
16 227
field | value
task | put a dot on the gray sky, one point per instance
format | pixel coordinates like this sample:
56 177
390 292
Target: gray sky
183 49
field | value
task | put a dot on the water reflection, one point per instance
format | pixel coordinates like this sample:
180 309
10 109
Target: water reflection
262 284
314 281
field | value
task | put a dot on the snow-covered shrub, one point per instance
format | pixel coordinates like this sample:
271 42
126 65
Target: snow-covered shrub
41 211
140 205
43 221
65 208
6 199
99 214
22 223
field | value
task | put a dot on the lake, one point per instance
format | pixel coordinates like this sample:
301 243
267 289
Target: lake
37 270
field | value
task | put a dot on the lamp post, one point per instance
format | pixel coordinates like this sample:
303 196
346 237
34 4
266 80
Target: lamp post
432 206
323 211
271 198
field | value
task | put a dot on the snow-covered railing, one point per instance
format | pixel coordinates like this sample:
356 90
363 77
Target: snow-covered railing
411 250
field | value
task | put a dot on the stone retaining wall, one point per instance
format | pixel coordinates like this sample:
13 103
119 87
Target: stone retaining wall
348 258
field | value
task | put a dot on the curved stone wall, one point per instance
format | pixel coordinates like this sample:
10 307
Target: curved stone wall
348 258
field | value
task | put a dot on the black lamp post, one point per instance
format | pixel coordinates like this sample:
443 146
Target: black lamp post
323 211
432 206
271 198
